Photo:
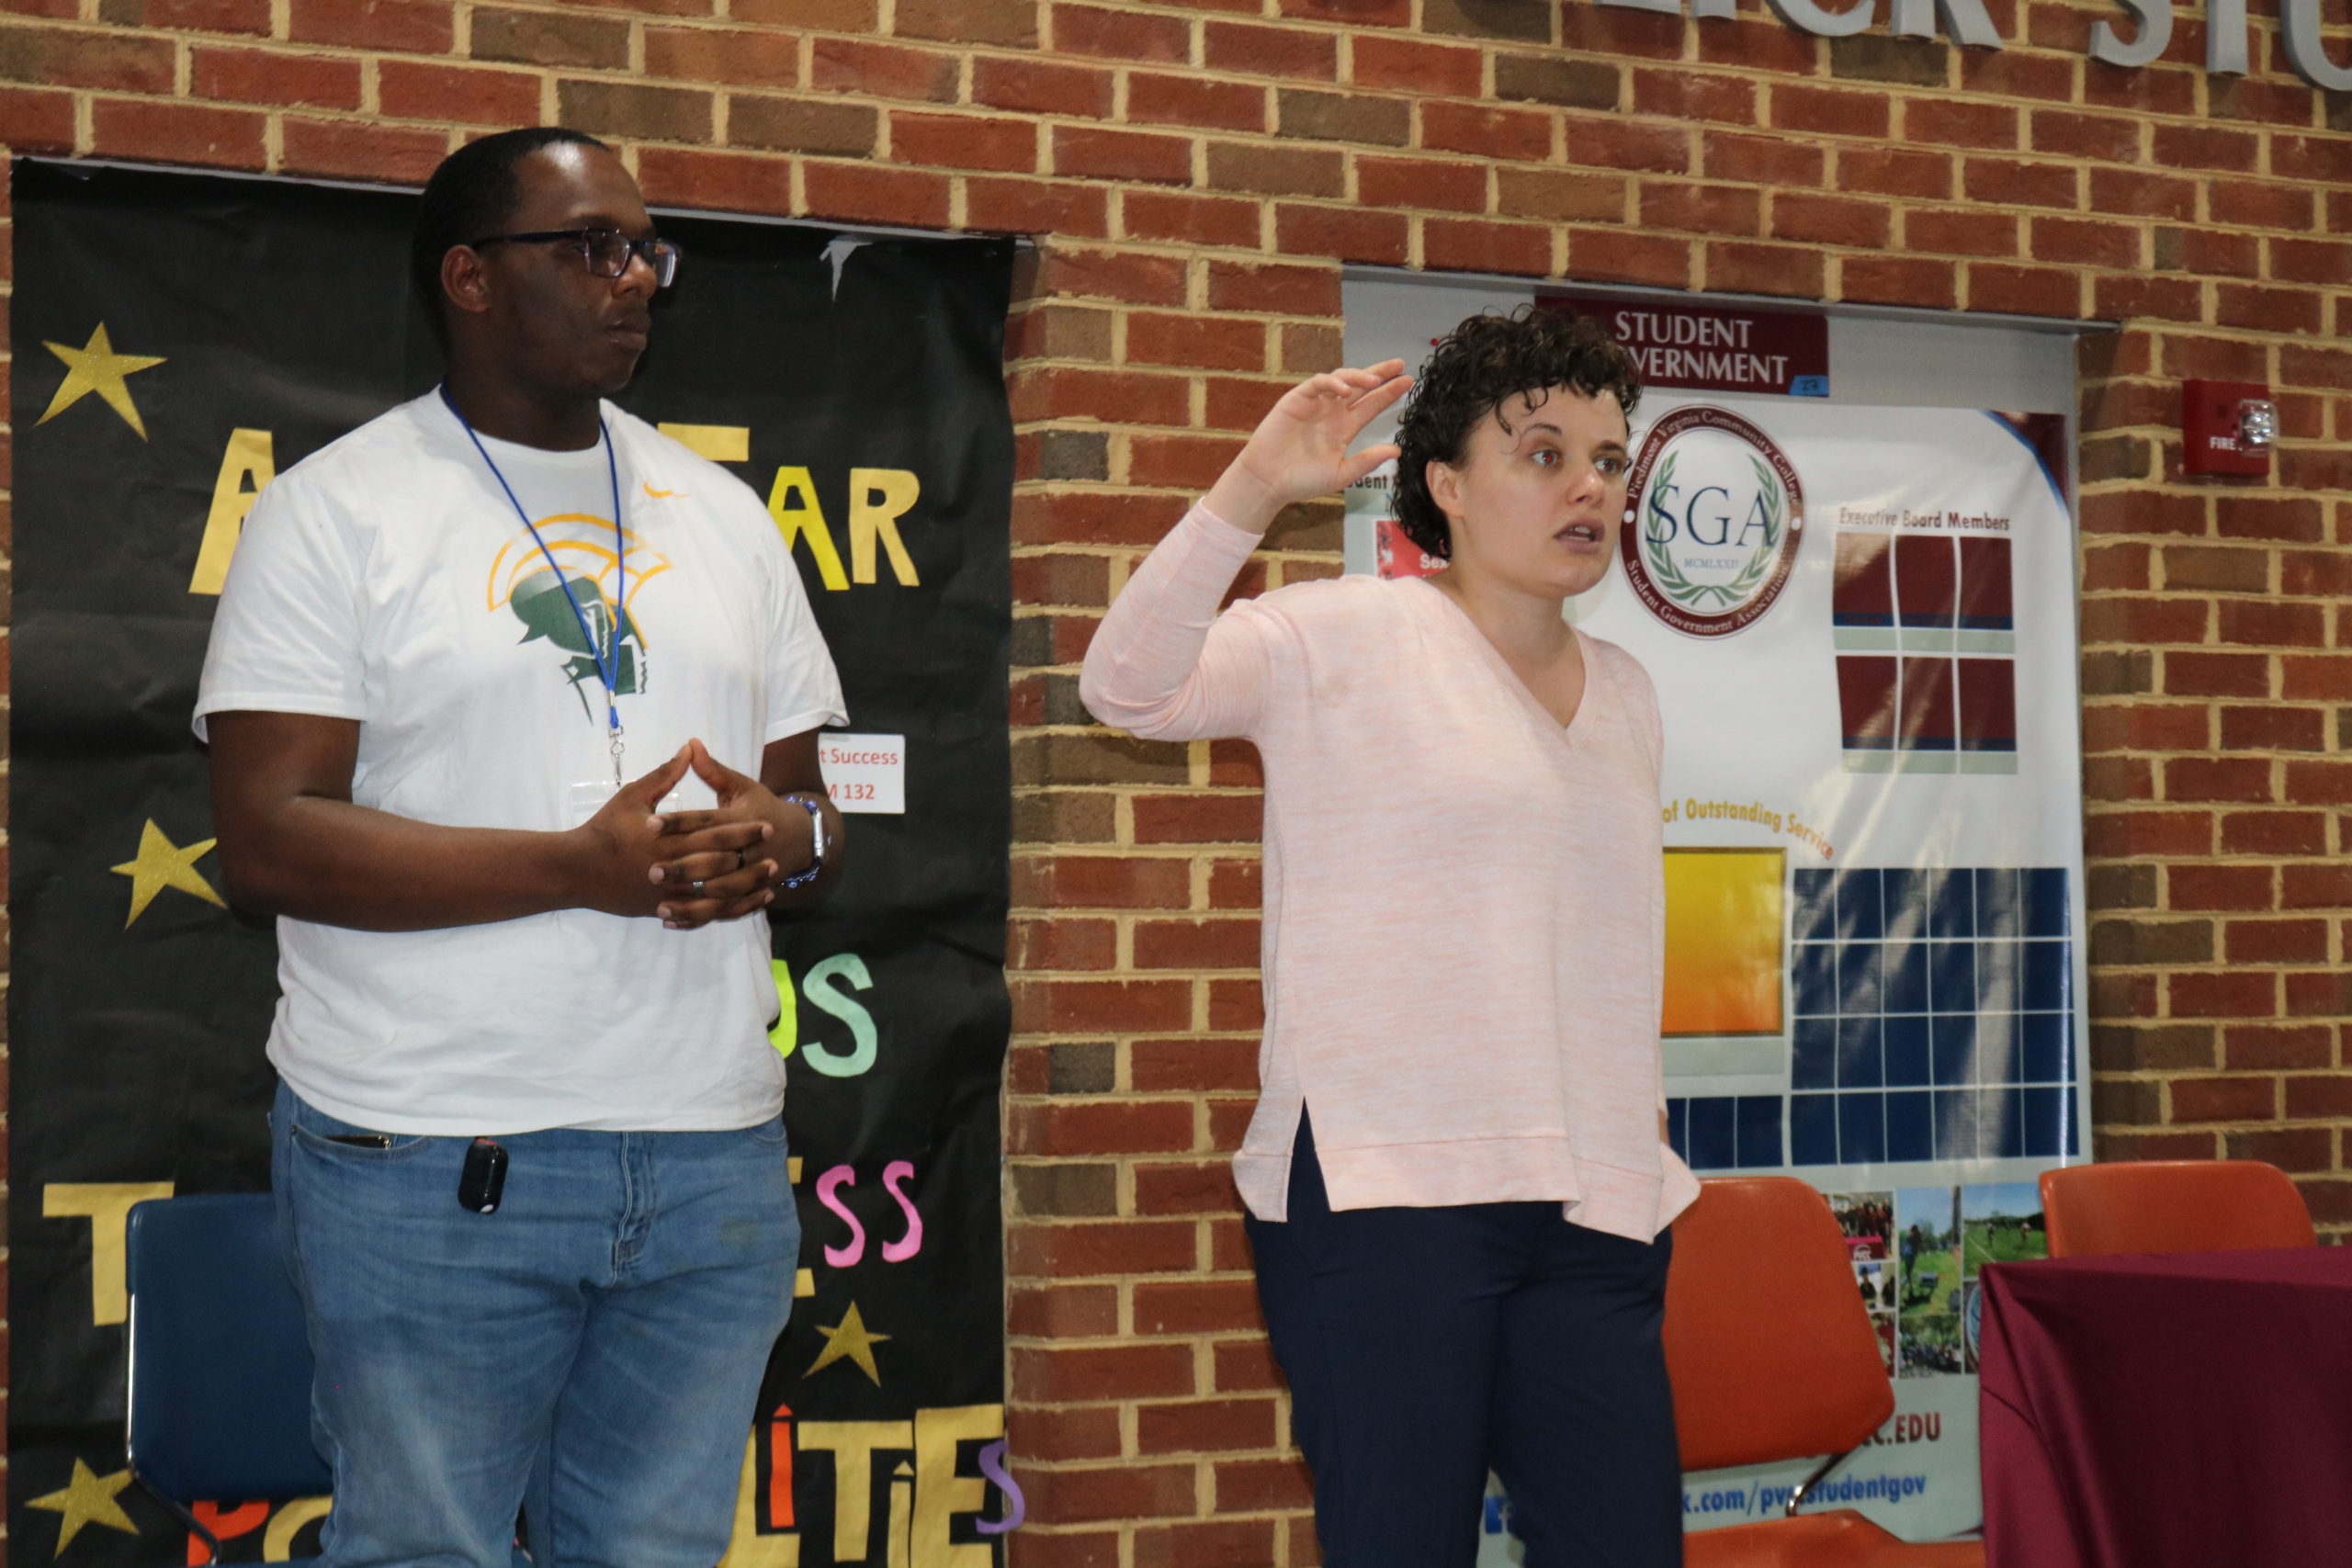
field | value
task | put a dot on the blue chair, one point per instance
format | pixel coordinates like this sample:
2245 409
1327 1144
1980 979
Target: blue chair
219 1363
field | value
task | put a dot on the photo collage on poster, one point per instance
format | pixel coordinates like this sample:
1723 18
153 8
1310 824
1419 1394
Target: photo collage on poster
1917 1252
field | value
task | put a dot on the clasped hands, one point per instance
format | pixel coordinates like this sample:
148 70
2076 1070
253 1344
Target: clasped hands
689 868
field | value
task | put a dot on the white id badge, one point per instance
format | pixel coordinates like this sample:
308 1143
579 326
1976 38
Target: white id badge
589 795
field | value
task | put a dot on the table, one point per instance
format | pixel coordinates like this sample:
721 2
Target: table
2189 1409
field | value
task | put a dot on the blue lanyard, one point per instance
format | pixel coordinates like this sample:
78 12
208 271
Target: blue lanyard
607 656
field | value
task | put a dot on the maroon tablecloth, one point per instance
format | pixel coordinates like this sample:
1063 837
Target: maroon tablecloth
2185 1411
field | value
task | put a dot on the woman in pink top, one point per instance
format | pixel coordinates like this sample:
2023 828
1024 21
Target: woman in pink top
1456 1178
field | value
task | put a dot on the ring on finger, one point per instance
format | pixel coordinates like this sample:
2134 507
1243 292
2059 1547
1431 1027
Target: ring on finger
741 859
696 885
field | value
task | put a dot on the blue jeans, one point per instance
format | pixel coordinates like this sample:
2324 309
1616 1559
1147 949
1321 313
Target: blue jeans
592 1351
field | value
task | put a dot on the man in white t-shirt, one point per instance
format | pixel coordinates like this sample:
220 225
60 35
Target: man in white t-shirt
483 676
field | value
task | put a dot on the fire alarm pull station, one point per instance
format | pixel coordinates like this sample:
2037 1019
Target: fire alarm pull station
2229 427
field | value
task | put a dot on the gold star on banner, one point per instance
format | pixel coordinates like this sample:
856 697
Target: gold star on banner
96 367
849 1340
160 864
88 1499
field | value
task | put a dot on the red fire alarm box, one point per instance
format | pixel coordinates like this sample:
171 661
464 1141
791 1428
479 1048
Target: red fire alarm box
2228 427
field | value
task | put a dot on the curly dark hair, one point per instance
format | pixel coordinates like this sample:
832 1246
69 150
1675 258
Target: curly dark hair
471 195
1479 367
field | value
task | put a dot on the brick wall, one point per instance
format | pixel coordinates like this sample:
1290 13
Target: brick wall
1196 174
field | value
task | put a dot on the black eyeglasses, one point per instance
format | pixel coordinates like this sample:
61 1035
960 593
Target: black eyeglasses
605 252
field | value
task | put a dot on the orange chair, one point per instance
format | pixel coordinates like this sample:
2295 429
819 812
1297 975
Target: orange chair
2171 1205
1773 1358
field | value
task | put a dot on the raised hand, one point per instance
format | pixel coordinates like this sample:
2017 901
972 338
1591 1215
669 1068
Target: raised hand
1300 449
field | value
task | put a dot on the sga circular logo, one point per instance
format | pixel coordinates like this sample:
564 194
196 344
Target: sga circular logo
1714 516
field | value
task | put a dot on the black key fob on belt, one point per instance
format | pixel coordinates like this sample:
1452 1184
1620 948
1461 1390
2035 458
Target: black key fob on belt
483 1177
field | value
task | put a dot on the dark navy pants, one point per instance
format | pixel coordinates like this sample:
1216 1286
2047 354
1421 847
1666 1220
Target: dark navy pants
1426 1346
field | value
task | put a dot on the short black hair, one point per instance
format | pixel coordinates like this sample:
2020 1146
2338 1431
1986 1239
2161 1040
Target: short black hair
469 196
1482 364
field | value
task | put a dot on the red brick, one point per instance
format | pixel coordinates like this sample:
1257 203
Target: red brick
1766 269
2274 729
1621 144
1235 1005
1275 287
878 196
1898 280
1245 1364
1197 1306
1088 1248
675 177
2024 290
1194 219
1831 111
882 70
1420 182
58 57
2310 261
1355 13
2133 194
964 141
2313 784
2288 1148
1771 161
1895 171
1118 1492
1070 880
260 76
358 151
2262 204
2218 887
2224 675
1607 33
2144 620
1205 1426
1971 233
176 133
1202 1188
2230 994
2224 778
1036 207
1062 1312
1100 1127
1559 195
1119 35
1234 884
1077 392
2275 833
2271 624
1035 86
2274 1047
2224 1099
2315 887
1192 1061
1067 1007
1228 943
2162 299
1679 92
1248 1486
2123 568
409 26
1831 221
2017 73
2205 147
2274 942
739 56
2328 1096
1097 154
2109 139
1411 65
1065 1548
1211 342
1524 134
1185 462
1207 1543
2082 243
1701 209
2268 310
36 121
1451 245
2124 833
1249 49
1599 255
1049 1433
2328 993
1344 234
2289 519
160 16
1153 98
1955 122
1062 945
409 89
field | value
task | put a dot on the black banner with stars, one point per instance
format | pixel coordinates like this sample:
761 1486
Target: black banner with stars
180 340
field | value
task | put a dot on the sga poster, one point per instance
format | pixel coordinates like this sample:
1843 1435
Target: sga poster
1861 622
185 339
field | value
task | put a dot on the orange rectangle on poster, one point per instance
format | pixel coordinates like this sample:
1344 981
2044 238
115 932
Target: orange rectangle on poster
1723 920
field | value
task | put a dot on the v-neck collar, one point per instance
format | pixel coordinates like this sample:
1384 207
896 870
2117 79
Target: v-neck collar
1465 627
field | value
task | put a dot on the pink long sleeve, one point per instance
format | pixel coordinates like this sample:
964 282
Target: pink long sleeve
1164 664
1464 902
